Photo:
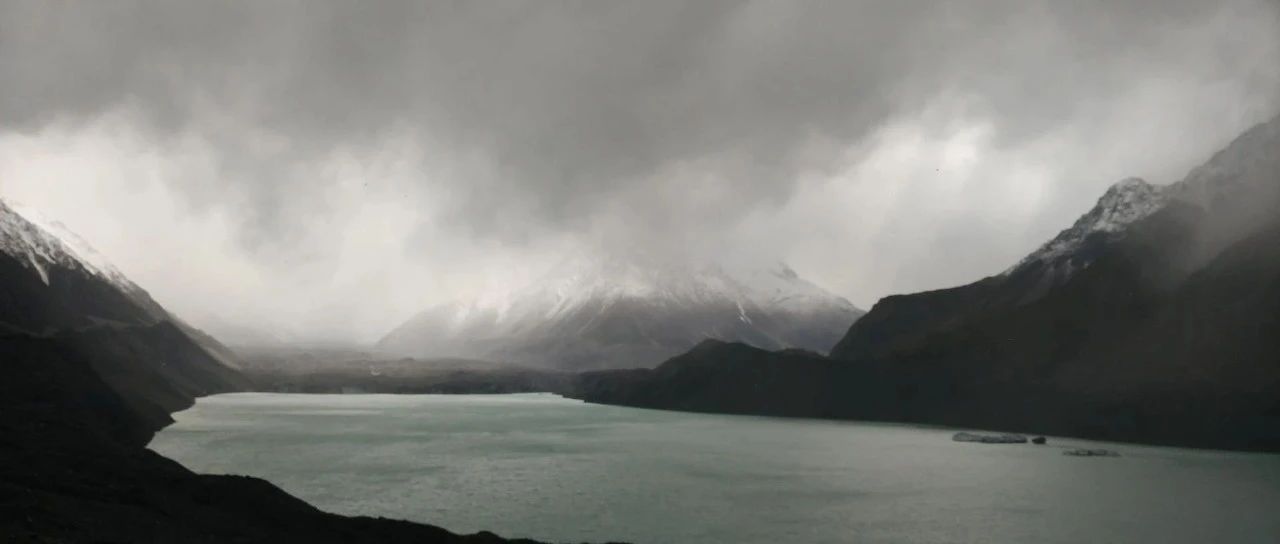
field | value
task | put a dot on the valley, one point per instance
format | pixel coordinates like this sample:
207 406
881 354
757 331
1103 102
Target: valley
650 272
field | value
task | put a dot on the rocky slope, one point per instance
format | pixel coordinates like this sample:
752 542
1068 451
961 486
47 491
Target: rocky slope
590 313
1155 318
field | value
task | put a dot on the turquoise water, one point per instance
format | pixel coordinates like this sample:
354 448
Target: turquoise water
545 467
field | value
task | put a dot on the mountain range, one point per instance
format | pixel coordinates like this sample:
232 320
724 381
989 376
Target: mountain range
1155 318
591 312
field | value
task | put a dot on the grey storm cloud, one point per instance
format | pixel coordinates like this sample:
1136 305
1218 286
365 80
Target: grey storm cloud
572 102
647 121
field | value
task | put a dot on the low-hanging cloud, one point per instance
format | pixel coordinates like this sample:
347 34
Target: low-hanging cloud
369 158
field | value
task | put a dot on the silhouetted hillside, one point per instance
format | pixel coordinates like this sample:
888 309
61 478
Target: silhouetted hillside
1164 330
90 369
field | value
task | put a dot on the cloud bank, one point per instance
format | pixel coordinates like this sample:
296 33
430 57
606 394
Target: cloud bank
324 170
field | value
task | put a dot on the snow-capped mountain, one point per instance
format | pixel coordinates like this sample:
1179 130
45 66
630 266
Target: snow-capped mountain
1125 202
52 287
35 247
1236 187
45 244
592 312
53 282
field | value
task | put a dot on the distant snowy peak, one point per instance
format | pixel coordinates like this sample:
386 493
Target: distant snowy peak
613 279
596 312
580 281
780 286
1126 202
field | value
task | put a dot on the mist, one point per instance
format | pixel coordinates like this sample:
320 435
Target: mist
315 171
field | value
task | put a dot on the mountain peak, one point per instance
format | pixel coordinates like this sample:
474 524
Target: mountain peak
1128 185
1126 201
32 246
613 311
64 246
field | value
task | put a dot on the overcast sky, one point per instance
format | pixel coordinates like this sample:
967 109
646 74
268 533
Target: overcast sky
325 170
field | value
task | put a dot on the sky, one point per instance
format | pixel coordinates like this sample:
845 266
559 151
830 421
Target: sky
320 171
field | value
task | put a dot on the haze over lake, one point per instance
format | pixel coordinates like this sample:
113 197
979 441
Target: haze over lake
545 467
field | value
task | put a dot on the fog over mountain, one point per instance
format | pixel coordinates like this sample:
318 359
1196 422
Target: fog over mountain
619 311
315 172
1154 317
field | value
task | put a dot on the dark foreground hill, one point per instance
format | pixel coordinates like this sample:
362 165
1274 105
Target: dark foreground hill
90 369
1109 355
74 468
1156 318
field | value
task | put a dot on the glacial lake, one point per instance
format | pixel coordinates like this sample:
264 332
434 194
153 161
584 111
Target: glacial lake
554 469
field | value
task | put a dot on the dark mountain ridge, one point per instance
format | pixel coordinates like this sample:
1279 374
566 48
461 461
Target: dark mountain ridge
1164 328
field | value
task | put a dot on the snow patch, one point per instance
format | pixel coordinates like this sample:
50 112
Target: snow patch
35 263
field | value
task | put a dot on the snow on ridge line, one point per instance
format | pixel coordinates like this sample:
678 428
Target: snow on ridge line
584 288
1124 203
31 236
1247 163
578 281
